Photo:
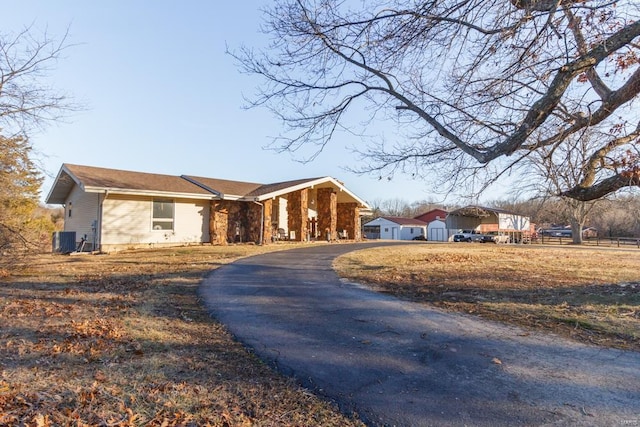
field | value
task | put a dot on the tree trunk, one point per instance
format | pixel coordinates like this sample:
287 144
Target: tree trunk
576 231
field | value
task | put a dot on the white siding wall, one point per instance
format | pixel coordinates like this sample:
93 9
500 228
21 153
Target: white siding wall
192 221
127 220
283 214
438 231
84 211
408 232
513 222
391 231
388 230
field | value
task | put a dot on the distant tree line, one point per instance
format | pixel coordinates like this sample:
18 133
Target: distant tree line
401 208
612 217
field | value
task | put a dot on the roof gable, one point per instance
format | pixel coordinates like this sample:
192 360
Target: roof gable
279 187
432 215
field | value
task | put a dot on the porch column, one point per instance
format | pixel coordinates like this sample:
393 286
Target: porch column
327 213
267 225
218 222
349 219
254 222
298 211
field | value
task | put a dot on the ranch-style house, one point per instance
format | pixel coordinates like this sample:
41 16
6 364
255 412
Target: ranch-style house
111 209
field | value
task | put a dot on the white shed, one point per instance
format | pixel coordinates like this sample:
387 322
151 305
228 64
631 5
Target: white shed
395 228
437 231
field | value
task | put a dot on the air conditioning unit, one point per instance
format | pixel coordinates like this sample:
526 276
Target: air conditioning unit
64 242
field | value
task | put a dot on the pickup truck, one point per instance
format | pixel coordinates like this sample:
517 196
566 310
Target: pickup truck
467 236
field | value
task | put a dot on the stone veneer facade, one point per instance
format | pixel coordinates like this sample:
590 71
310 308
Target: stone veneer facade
267 220
348 218
232 222
327 213
297 208
236 222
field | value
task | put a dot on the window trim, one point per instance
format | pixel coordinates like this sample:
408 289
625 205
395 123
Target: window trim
154 221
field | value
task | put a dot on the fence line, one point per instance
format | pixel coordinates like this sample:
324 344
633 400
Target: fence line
591 241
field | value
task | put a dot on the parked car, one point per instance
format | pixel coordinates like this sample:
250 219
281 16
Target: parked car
495 237
467 236
419 237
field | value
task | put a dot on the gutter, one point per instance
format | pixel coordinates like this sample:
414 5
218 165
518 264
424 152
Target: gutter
97 234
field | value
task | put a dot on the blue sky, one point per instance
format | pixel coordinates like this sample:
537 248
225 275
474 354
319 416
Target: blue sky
162 96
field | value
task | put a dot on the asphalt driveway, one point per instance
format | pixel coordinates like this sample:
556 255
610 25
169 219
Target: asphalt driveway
402 364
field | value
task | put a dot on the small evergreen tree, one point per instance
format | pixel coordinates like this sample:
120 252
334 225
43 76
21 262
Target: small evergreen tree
21 227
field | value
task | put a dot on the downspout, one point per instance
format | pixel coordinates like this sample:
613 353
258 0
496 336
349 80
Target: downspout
99 222
261 220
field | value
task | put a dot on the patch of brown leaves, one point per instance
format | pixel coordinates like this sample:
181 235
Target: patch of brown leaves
121 340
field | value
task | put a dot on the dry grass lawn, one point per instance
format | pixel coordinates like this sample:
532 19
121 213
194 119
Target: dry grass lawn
591 295
122 340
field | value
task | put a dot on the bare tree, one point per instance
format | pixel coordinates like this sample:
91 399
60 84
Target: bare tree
26 102
566 165
395 207
617 217
26 98
475 86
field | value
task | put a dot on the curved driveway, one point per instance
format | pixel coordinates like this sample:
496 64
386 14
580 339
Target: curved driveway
403 364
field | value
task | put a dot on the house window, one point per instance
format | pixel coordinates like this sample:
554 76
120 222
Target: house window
386 230
70 206
411 230
163 212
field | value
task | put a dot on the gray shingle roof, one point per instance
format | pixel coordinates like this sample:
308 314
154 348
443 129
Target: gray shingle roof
224 186
102 179
120 179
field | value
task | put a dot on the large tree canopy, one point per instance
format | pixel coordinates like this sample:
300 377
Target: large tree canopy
471 83
27 100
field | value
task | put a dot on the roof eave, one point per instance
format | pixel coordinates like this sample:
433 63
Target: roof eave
56 186
150 193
